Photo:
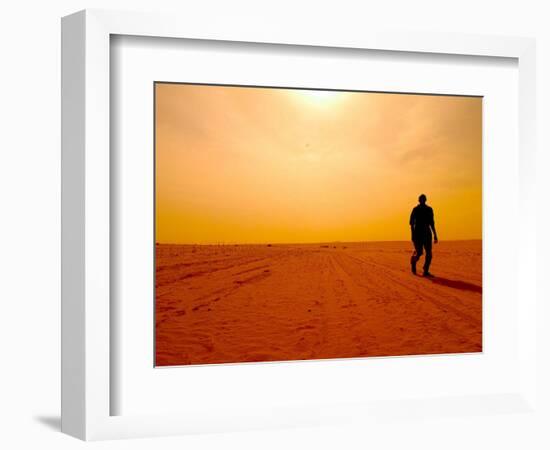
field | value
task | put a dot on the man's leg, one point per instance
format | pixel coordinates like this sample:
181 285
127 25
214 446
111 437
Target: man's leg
416 255
428 259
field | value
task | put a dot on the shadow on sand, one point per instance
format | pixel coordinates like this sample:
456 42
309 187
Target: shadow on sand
457 284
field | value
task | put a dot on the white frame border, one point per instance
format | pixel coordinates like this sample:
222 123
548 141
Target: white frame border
85 199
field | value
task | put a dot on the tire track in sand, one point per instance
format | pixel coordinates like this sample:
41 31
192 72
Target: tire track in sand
413 304
206 300
445 307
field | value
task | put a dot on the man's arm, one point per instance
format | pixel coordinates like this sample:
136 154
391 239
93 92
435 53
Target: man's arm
411 223
432 226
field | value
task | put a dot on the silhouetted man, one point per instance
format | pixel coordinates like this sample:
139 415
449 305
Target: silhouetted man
422 225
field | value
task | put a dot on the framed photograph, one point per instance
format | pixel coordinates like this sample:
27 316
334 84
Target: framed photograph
266 228
284 224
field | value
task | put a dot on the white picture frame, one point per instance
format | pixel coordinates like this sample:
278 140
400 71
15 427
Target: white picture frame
86 284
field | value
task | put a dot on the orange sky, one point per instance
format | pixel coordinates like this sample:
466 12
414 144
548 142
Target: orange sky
259 165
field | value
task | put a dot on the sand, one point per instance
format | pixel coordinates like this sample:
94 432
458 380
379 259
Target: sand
237 303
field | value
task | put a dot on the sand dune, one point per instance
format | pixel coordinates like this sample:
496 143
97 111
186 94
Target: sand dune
217 304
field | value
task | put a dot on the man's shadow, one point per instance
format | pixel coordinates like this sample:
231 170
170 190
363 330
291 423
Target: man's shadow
457 284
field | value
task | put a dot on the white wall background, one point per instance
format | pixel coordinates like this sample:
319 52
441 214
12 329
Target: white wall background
30 196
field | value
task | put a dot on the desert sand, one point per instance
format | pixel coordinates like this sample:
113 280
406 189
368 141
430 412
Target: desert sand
237 303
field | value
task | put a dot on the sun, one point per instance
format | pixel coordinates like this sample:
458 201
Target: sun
318 97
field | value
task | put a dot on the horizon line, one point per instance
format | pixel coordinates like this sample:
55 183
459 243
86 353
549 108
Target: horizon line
306 243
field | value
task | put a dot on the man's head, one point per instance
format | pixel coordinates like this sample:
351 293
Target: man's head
422 199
